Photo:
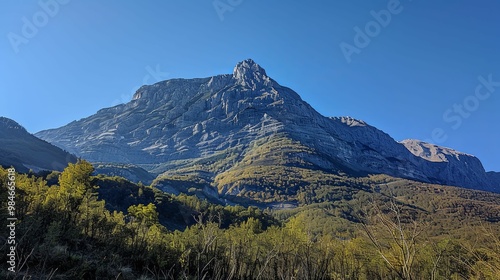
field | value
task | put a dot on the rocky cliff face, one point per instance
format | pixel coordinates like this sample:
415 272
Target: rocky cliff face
457 168
208 125
24 151
181 119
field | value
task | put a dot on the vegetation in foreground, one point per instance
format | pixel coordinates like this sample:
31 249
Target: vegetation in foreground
74 225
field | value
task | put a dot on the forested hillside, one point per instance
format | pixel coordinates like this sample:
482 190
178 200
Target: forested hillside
73 225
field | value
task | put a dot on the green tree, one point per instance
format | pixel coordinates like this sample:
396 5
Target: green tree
396 240
74 182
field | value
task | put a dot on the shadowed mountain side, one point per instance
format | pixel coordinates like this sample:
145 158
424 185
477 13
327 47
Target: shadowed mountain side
24 151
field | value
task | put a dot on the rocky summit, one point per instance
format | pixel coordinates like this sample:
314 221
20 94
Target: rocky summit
226 124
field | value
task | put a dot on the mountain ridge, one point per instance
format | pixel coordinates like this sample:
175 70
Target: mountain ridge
178 126
26 152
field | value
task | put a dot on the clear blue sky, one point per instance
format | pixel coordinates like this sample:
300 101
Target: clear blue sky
86 55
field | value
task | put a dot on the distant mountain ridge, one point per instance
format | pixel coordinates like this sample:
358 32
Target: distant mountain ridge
211 127
24 151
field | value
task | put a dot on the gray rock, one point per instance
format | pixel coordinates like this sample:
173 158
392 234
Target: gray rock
448 166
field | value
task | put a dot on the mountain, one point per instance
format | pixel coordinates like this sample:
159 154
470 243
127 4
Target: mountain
495 178
243 131
461 169
129 171
24 151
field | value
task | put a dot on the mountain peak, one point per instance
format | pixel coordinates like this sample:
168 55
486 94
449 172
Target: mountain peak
248 66
10 124
249 73
349 121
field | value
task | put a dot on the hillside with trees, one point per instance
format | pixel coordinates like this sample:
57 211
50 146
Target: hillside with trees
78 225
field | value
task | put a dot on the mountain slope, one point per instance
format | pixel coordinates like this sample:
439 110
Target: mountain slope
209 126
494 177
24 151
